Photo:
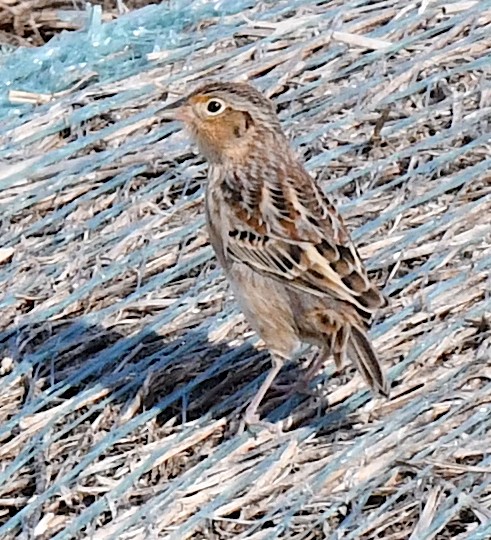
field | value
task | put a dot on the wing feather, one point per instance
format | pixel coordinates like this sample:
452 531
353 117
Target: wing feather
302 241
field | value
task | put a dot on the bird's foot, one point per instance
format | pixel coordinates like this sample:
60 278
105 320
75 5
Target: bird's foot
299 387
253 423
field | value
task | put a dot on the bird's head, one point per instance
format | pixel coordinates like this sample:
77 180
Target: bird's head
227 120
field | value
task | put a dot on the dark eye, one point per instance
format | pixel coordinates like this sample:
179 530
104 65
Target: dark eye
214 106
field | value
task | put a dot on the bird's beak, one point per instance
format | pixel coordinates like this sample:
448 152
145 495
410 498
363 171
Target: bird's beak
179 110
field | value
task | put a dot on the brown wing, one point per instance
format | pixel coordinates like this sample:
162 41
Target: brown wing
286 228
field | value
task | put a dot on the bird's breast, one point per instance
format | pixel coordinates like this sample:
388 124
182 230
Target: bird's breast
216 215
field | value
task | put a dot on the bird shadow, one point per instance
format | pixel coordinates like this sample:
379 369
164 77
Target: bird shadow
81 383
181 379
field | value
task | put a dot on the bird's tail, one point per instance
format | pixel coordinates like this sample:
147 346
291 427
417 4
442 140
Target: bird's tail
360 351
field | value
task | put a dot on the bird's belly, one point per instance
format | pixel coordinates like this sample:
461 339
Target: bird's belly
266 306
265 302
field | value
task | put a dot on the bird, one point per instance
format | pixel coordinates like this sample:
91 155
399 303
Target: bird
282 244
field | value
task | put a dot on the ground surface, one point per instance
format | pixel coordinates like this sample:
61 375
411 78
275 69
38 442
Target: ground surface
31 23
124 363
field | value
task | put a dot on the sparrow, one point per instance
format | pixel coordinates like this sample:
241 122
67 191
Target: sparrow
282 244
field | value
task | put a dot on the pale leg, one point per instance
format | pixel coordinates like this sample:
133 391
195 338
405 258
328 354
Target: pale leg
302 386
251 417
314 367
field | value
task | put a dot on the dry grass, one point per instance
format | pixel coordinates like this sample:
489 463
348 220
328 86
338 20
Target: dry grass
125 364
31 23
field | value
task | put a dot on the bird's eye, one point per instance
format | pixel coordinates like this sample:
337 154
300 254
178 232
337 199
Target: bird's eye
215 106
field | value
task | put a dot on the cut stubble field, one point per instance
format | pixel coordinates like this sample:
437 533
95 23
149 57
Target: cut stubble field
125 363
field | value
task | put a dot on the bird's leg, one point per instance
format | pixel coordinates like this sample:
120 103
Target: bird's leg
297 384
251 417
314 367
302 385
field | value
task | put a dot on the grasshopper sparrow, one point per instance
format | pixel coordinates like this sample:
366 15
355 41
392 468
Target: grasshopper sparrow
282 244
